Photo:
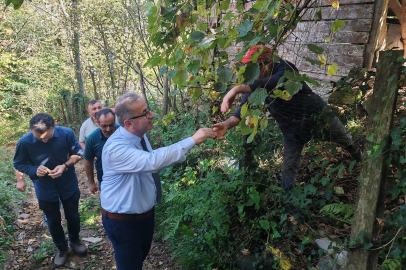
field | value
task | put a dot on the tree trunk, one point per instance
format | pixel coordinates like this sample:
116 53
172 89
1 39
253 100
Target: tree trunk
165 95
109 58
96 95
76 49
144 94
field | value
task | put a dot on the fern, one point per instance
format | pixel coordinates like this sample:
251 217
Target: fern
392 264
339 211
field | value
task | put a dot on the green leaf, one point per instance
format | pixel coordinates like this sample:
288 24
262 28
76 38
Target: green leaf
244 110
255 41
16 3
224 4
292 87
337 25
324 180
224 74
163 70
206 42
180 78
314 48
197 36
263 124
244 28
172 73
264 224
332 69
251 73
313 61
258 97
193 66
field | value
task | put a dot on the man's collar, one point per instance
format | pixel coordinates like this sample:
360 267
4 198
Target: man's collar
134 139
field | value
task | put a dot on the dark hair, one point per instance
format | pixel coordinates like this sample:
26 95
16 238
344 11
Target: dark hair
93 101
41 122
105 112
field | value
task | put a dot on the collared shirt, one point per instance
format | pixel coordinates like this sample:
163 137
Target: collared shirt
86 129
31 153
94 146
128 186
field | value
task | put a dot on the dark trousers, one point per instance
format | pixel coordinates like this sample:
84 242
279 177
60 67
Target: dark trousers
131 240
325 128
53 214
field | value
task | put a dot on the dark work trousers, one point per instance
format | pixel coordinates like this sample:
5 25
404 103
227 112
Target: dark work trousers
326 128
53 214
131 240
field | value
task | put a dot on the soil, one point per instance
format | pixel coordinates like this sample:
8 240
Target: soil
33 247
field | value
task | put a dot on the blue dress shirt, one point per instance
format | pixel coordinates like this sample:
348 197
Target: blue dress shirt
31 153
128 186
93 148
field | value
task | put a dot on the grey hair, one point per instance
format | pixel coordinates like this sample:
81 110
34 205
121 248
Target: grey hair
123 106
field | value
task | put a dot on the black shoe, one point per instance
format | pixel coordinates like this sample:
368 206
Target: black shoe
354 152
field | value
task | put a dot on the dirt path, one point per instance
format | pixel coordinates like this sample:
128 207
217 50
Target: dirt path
33 247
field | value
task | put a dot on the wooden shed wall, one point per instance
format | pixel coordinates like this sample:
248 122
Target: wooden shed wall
347 47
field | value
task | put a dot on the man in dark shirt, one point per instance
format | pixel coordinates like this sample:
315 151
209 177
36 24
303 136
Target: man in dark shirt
106 119
302 117
47 155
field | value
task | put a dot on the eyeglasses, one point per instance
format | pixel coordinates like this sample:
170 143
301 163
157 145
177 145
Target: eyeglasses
145 114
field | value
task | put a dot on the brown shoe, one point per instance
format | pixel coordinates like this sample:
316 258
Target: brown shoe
78 247
60 258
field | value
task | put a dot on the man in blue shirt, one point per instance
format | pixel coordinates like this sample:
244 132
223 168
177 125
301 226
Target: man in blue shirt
47 155
131 183
106 119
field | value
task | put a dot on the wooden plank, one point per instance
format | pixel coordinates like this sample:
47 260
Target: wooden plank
342 2
374 172
362 25
362 11
337 37
330 49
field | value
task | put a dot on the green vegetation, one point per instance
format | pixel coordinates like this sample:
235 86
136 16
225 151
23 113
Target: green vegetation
9 198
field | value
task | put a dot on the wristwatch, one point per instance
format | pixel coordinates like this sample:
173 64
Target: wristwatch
66 166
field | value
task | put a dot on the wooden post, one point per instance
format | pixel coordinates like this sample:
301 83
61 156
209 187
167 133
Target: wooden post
372 184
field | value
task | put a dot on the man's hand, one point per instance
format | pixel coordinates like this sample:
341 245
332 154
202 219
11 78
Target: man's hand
20 186
202 134
93 188
228 101
57 172
42 171
230 96
220 129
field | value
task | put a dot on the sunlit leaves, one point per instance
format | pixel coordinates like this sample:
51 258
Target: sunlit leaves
224 4
337 25
180 78
244 28
332 69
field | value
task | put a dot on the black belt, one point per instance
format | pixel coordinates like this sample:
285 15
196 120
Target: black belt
128 216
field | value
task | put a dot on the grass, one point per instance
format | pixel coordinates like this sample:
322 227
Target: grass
8 195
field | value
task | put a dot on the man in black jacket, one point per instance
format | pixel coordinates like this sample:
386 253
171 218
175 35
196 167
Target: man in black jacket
303 116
